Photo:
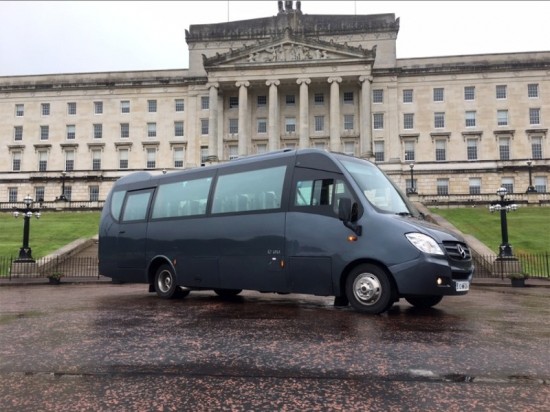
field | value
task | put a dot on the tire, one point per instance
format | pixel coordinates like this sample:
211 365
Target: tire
369 289
227 293
165 284
423 301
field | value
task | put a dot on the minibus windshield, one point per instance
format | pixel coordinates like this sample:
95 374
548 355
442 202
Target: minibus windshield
376 187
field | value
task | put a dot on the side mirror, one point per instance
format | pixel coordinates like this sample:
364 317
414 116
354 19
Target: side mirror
348 213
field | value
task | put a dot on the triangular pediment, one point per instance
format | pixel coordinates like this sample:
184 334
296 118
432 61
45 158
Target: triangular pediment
289 49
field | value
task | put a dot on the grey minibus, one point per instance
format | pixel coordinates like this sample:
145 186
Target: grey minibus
291 221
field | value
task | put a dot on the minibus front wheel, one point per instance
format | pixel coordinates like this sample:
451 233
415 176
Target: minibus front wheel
165 283
369 289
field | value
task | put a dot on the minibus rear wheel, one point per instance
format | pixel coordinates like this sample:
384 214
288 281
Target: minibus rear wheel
369 289
423 302
165 284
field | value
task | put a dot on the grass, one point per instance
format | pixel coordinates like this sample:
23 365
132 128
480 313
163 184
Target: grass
528 227
47 234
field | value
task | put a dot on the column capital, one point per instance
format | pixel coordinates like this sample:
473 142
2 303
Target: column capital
335 80
244 83
365 78
216 85
303 81
274 82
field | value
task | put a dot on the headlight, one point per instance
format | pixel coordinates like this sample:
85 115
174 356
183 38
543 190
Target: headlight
424 243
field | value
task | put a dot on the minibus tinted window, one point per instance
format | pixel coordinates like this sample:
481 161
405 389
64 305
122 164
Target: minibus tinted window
187 198
136 206
376 187
249 191
116 204
320 192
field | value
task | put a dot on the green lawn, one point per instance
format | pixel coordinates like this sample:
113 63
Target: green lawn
528 227
47 234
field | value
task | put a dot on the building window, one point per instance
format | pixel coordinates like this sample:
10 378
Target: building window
261 101
98 107
98 131
151 158
123 158
205 102
504 148
536 147
319 125
71 132
349 148
39 193
68 192
44 132
319 99
502 117
18 133
232 151
442 187
180 105
178 156
152 106
508 184
475 186
290 125
471 148
348 97
541 184
378 121
42 161
440 150
408 121
348 122
407 95
233 102
438 94
71 108
233 126
94 193
261 148
125 130
378 96
290 100
533 90
16 161
12 194
320 145
45 109
470 118
501 92
469 93
379 151
125 106
96 159
178 129
261 125
19 110
534 116
409 150
69 160
439 120
151 130
204 127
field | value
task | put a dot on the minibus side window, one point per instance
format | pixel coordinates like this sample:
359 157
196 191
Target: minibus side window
249 191
136 206
320 195
179 199
116 204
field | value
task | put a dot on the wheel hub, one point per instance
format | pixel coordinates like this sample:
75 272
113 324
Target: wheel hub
367 289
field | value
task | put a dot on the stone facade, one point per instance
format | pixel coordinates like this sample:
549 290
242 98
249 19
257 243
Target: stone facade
467 124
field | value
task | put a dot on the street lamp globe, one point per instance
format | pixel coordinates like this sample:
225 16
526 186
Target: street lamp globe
502 191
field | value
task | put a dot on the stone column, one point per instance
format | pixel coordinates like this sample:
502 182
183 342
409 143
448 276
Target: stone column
273 121
213 119
365 118
244 140
304 112
335 113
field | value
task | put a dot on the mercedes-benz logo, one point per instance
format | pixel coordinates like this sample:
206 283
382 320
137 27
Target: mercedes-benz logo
461 251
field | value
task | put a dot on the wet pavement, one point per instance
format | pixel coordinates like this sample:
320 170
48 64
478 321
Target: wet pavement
115 347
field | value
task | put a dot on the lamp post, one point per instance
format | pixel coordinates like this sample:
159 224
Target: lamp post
25 253
530 188
62 196
412 188
504 206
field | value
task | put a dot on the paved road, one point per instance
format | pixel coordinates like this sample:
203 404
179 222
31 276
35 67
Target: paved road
115 347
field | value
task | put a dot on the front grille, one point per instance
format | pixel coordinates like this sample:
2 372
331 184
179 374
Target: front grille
458 251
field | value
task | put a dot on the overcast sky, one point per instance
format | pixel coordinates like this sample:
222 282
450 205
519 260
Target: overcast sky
72 37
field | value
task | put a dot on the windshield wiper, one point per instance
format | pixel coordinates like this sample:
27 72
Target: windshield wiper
405 214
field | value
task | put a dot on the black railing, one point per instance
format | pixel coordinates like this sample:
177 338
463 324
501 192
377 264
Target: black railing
73 266
529 265
57 205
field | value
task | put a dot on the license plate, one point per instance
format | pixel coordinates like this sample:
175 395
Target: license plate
462 286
